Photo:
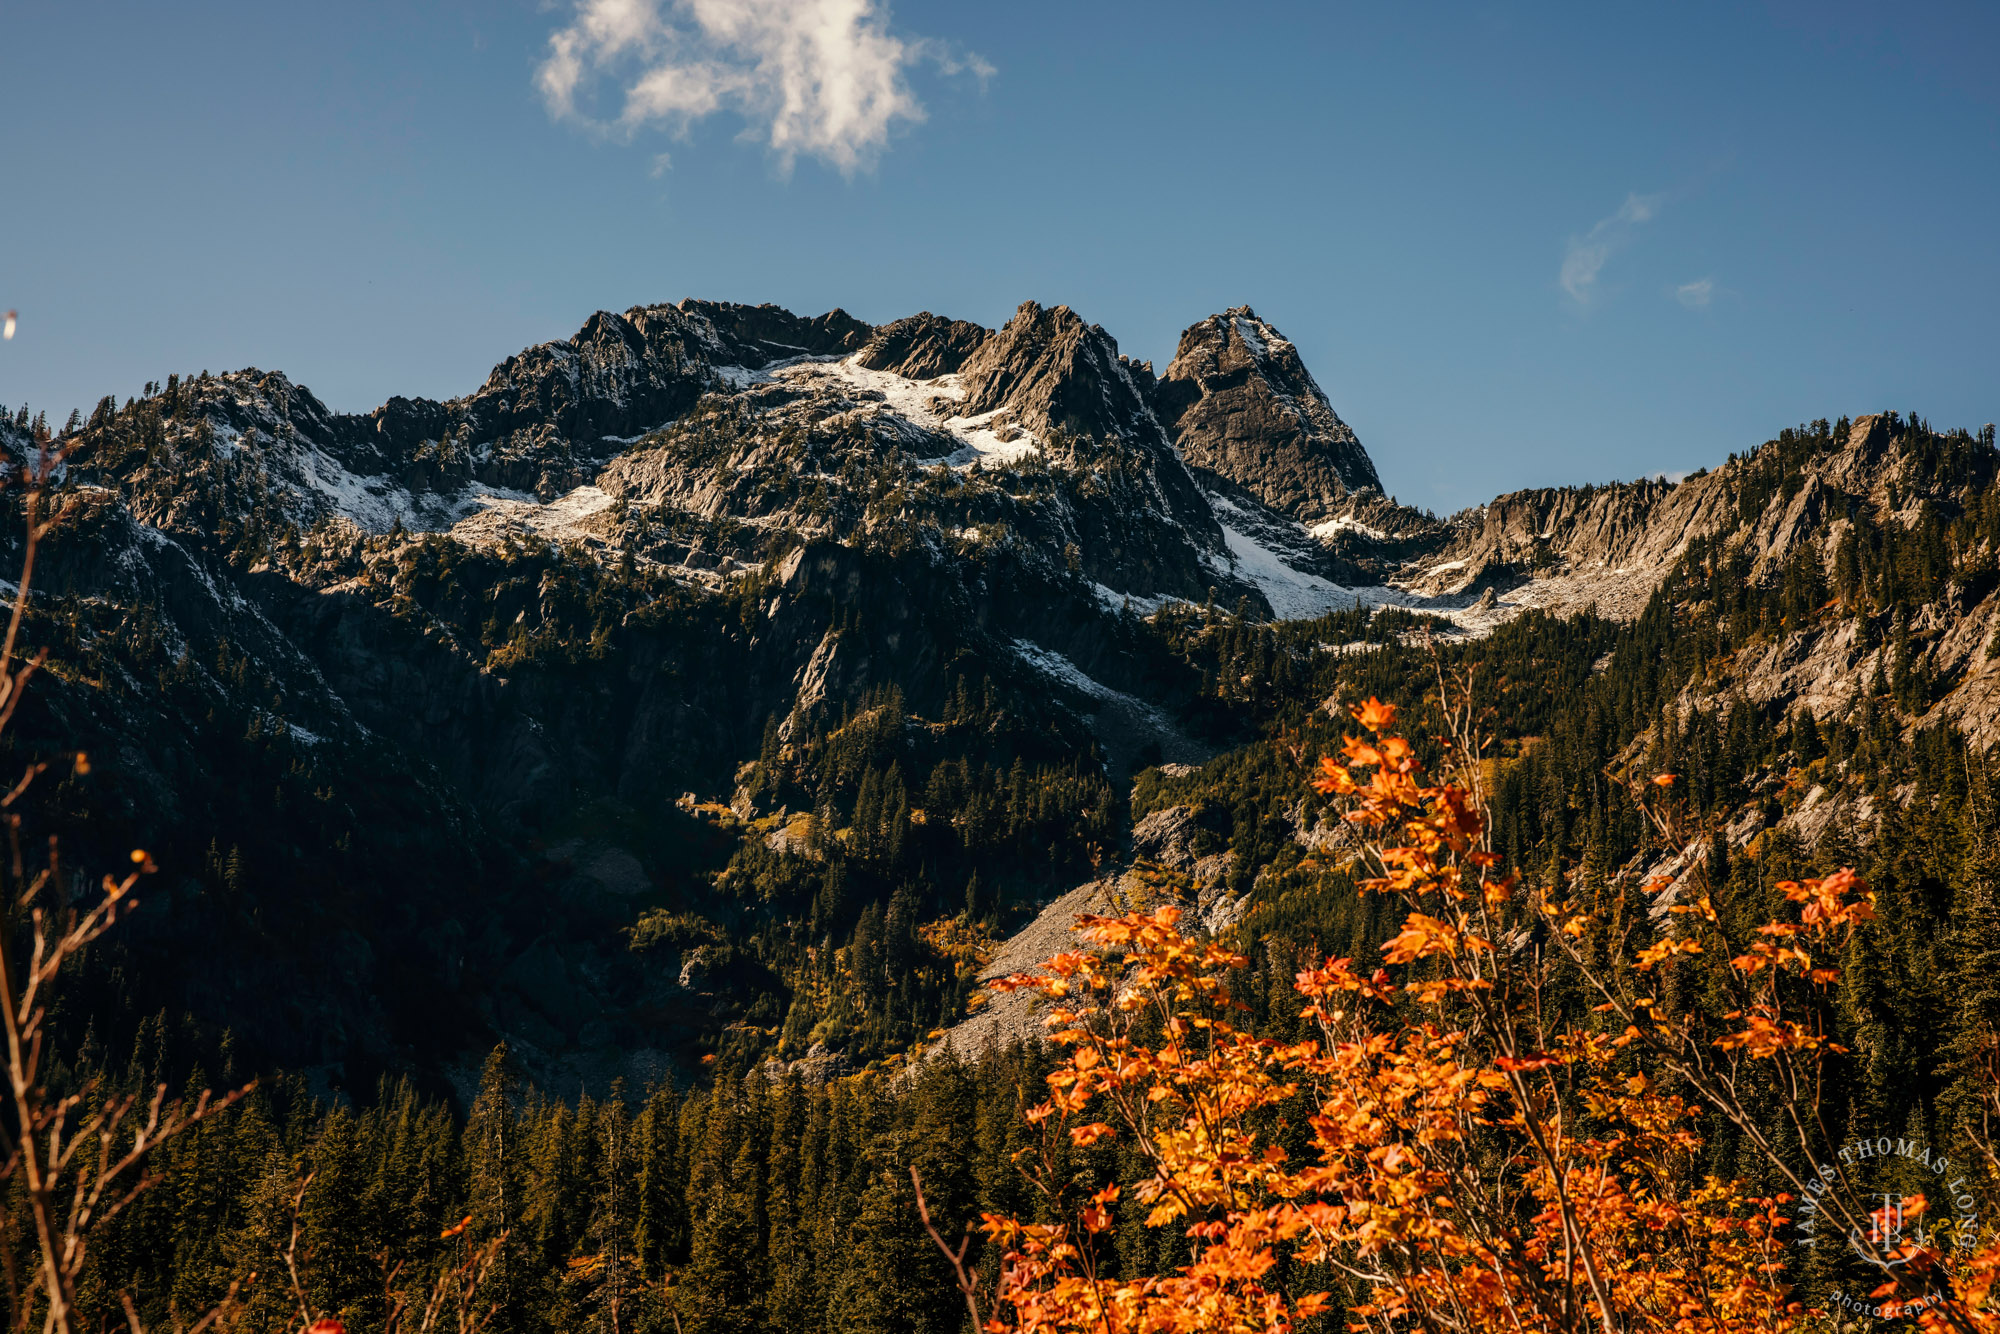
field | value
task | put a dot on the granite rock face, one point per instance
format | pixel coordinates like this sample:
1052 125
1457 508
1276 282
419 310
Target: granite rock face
1243 408
1614 543
922 347
1054 374
758 335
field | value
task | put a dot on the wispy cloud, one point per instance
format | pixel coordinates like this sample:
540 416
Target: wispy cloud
824 78
1696 294
1586 255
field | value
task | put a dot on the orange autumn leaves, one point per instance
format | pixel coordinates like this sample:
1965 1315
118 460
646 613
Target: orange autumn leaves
1457 1161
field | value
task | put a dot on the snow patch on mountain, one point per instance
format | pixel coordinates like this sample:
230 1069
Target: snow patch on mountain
1115 601
1252 335
919 412
1293 594
985 437
1124 724
373 503
1332 527
496 513
1053 664
742 377
989 439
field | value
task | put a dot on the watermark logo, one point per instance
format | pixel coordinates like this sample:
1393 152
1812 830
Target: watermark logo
1885 1311
1886 1174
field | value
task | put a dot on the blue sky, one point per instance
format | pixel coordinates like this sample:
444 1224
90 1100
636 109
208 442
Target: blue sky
1517 246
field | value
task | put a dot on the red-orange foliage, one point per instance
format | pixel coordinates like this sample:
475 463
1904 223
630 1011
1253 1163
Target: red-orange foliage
1476 1161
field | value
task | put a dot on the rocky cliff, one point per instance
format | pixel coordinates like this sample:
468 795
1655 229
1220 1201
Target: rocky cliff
1243 408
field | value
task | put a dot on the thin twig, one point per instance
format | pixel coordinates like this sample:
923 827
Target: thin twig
968 1285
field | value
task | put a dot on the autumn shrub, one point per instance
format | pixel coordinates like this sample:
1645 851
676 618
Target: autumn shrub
1501 1124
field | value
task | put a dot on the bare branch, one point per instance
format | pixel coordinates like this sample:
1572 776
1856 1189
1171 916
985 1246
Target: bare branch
968 1284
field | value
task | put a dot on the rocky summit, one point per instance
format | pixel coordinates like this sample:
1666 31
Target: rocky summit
1246 412
724 684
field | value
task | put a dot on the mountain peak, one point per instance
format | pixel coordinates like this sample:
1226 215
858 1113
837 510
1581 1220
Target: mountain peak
1243 408
758 334
1053 372
922 346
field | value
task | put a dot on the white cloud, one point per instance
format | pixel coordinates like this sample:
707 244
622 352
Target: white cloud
1586 255
1696 294
826 78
